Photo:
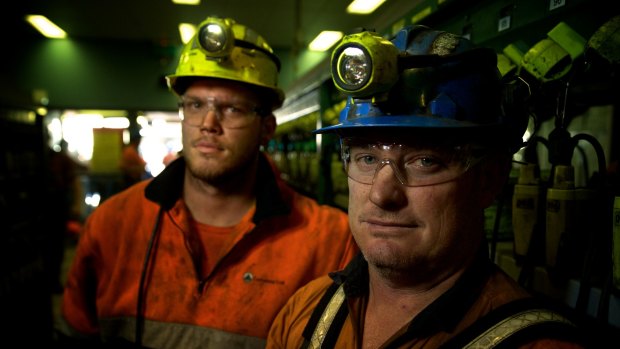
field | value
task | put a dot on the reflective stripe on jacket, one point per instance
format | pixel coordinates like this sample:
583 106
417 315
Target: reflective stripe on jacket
292 240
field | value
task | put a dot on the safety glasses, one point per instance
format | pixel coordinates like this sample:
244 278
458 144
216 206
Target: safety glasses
413 165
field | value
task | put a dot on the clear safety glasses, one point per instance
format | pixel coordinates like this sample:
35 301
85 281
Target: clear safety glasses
229 114
412 165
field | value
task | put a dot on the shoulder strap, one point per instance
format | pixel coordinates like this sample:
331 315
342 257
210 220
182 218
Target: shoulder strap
508 326
514 324
523 321
326 320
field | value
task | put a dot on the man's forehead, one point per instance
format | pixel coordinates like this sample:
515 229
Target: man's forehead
221 86
413 139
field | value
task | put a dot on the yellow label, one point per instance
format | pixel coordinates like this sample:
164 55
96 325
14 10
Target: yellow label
560 221
107 151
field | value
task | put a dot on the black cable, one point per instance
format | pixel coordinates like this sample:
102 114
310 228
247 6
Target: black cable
147 258
593 244
600 153
496 224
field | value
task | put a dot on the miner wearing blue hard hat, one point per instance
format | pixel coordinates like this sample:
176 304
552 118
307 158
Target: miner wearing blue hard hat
426 138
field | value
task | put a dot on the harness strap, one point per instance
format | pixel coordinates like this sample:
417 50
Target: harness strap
326 321
517 323
508 326
522 321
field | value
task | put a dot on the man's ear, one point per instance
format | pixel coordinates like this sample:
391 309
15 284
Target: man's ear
268 128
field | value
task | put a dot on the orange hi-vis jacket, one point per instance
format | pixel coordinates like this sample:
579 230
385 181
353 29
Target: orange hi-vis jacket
290 241
483 290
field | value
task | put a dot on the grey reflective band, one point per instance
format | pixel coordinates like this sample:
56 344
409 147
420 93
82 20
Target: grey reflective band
326 319
510 325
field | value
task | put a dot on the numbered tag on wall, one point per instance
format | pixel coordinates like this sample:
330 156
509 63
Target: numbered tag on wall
503 23
505 18
556 4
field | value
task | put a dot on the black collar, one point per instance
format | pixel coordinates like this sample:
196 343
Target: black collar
167 188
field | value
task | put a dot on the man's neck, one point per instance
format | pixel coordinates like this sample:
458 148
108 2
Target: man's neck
392 305
219 205
413 295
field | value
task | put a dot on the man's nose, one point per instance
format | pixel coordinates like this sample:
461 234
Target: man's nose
395 171
386 189
211 117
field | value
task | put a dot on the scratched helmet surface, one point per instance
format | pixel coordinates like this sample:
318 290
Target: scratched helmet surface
225 49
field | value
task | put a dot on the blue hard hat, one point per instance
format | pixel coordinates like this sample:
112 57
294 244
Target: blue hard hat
421 79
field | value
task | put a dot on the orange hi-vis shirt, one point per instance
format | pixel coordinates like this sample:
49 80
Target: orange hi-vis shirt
482 289
289 241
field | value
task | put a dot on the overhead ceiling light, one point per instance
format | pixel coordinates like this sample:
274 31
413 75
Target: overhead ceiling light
364 7
187 32
186 2
46 27
325 40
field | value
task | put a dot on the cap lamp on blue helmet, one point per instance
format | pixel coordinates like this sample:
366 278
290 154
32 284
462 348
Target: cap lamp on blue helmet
425 80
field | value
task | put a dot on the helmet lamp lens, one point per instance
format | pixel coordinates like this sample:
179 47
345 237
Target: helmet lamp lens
354 67
213 37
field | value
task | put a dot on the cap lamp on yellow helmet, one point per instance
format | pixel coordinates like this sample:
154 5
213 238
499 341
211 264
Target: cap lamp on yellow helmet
422 80
225 49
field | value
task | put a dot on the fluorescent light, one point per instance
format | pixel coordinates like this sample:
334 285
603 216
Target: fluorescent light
186 2
364 7
325 40
187 32
46 27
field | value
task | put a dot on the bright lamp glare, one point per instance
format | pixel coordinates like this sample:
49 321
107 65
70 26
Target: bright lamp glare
364 7
325 40
46 27
187 32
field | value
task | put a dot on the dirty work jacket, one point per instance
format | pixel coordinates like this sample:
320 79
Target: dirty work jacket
483 288
292 241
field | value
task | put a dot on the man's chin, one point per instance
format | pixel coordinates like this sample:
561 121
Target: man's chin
383 257
207 170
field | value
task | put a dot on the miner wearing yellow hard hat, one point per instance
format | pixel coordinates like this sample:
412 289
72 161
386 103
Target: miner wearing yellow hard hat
205 254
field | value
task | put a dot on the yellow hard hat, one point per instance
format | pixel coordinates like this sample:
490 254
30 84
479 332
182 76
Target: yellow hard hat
224 49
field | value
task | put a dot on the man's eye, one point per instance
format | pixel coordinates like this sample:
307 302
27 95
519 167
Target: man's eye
192 105
369 160
231 109
426 162
366 161
235 109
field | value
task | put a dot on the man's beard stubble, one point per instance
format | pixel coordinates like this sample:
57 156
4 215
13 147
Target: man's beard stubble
219 174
